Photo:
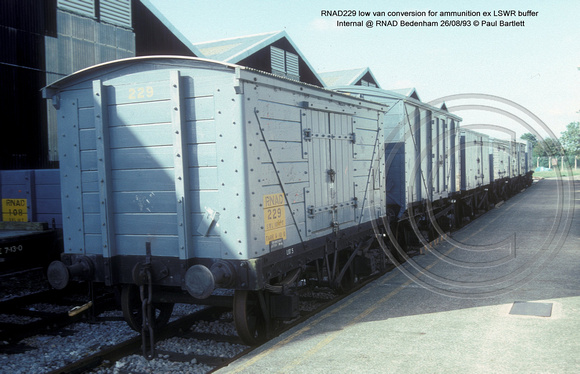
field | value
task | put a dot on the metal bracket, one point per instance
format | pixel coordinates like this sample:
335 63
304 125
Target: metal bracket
56 102
307 134
335 226
311 211
332 174
209 220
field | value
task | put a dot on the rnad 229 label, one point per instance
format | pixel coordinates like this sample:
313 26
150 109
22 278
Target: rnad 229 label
274 217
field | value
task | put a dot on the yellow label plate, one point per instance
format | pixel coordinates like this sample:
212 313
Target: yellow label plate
14 210
275 235
274 217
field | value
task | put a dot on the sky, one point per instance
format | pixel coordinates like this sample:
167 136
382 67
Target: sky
529 71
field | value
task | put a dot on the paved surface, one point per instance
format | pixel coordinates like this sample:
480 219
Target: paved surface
448 311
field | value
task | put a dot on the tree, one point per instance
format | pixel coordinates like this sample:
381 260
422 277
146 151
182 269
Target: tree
530 137
570 139
548 148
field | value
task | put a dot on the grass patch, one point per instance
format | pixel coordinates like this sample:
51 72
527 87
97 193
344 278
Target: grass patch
554 174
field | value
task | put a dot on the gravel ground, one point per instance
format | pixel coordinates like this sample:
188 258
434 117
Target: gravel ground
138 364
52 352
23 283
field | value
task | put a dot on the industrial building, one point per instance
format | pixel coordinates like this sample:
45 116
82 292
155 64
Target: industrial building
43 41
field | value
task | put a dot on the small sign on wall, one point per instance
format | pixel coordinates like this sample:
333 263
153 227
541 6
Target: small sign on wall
14 210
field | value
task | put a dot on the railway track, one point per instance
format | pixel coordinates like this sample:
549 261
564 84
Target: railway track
201 341
47 312
21 283
196 342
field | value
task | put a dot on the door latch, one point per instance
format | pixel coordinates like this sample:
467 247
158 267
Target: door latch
332 175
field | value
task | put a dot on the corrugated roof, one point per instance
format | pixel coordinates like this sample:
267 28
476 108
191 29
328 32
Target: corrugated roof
346 77
405 95
234 50
408 92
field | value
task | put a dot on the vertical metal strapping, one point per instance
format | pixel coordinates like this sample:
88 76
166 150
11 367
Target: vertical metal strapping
445 185
491 168
429 154
418 156
509 159
452 168
31 195
463 166
70 169
104 177
180 167
437 156
527 159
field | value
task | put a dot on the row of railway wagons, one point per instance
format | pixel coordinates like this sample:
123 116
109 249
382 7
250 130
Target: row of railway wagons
180 176
438 173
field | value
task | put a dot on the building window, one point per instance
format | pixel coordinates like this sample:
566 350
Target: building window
82 7
367 84
285 63
116 12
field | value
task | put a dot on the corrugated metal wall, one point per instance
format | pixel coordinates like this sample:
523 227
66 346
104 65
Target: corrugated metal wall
23 24
40 188
82 41
40 42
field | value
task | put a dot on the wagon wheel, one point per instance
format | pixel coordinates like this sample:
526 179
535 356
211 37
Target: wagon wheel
133 312
251 323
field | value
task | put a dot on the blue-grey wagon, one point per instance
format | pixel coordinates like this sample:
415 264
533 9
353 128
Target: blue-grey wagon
421 165
182 175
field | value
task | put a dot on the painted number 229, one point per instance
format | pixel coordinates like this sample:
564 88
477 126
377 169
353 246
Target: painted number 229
140 92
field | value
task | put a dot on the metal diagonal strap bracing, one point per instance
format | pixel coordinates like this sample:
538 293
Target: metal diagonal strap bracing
417 150
256 111
375 152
